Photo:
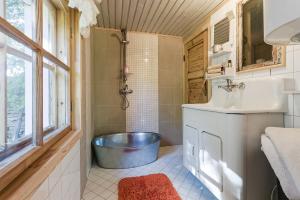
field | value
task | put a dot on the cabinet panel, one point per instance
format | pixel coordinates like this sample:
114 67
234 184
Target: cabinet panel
210 158
190 148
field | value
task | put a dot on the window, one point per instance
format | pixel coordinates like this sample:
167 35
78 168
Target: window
55 31
56 95
221 31
20 14
34 73
253 51
16 82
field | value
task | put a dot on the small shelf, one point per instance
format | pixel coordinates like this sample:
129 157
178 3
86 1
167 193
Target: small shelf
291 92
220 53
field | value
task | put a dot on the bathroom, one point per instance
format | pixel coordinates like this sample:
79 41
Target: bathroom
149 100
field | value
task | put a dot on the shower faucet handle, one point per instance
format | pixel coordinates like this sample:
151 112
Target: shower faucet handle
125 90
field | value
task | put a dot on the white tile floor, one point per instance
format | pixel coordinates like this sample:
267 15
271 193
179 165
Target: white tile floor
102 183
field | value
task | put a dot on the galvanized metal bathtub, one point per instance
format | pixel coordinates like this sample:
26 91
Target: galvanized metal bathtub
126 150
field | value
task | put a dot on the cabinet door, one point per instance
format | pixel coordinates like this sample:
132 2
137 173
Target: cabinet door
190 148
210 158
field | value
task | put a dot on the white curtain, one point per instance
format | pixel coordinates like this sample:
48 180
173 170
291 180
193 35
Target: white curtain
88 17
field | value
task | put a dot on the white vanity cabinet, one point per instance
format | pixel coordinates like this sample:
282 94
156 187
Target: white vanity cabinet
223 151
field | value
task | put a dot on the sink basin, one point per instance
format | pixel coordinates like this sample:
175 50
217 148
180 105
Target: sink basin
260 95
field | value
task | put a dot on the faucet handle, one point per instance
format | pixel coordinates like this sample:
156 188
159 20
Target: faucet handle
242 85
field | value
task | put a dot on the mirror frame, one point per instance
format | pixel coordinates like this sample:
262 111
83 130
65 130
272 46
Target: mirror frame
278 52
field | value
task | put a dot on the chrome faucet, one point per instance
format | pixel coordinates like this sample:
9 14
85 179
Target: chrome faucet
230 85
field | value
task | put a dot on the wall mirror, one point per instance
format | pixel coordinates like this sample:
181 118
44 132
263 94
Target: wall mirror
252 51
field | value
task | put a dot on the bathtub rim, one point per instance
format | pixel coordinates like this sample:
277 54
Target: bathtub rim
158 139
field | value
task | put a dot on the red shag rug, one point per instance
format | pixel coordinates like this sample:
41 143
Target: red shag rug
150 187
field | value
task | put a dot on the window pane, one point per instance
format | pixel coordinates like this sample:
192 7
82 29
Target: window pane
49 27
49 100
56 30
55 97
63 94
21 14
62 36
17 83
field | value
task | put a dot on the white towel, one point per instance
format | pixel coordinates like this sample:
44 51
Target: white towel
287 144
212 71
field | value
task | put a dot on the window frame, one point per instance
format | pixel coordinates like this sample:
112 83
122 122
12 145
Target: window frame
41 140
280 51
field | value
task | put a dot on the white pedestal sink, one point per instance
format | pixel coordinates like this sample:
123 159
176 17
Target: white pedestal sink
221 139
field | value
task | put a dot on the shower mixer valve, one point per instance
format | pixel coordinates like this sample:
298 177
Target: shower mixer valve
125 90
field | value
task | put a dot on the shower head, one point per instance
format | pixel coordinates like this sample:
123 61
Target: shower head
124 38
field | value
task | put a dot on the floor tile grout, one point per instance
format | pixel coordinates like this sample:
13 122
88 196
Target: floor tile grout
103 183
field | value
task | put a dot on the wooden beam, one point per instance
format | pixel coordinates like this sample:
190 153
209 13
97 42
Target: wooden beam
55 60
38 101
16 34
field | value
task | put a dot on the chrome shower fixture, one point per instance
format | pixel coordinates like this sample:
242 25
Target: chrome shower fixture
124 89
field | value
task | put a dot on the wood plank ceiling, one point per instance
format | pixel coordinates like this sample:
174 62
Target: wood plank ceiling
169 17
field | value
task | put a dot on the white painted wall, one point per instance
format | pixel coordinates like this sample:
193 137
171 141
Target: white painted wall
64 182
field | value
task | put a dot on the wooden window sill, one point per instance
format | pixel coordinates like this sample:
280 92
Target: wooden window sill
23 178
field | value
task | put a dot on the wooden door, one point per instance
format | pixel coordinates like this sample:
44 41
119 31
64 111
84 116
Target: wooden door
196 56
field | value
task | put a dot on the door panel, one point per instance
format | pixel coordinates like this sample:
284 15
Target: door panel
196 64
210 157
190 148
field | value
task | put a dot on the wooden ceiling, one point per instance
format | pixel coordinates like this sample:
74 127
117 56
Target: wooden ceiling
169 17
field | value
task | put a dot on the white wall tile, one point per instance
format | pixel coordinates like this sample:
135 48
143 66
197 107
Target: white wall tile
285 75
62 184
289 68
296 47
262 73
297 105
42 192
296 122
244 75
56 193
297 60
290 48
290 105
142 58
297 80
54 177
288 121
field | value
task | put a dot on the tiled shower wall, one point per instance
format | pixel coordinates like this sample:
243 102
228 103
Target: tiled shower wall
108 116
170 85
156 76
142 61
